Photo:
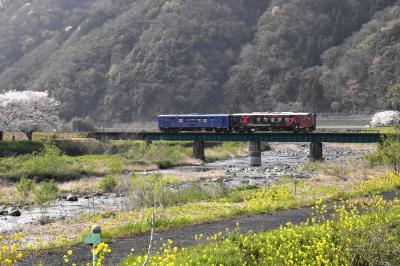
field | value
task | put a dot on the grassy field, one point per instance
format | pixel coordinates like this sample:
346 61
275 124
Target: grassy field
187 208
178 206
118 158
382 129
50 162
345 238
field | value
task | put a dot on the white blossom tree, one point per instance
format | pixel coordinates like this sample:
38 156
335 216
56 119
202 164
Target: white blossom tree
28 111
386 118
2 116
8 111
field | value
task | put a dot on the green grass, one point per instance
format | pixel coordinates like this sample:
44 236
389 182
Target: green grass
384 130
127 156
244 201
225 151
19 147
346 238
182 210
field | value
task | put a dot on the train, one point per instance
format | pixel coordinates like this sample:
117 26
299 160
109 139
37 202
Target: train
241 123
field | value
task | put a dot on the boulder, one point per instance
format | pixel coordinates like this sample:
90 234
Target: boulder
15 212
71 197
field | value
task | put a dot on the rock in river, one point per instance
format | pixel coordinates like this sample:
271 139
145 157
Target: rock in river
15 212
71 197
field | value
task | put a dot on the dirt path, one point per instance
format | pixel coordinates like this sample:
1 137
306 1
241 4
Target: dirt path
121 247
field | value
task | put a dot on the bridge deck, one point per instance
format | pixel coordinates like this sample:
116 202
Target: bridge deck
268 137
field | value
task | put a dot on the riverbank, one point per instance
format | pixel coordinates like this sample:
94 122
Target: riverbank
226 201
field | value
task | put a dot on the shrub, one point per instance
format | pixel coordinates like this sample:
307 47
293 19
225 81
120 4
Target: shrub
48 164
25 186
388 153
80 146
45 192
155 190
161 152
13 148
82 125
108 183
115 165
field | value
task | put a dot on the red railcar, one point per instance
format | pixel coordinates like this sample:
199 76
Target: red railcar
285 121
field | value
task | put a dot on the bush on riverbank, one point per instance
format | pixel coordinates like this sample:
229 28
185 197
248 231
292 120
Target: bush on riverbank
15 148
388 153
108 183
158 190
47 164
71 147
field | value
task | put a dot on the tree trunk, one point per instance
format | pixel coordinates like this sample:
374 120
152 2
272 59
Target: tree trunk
1 135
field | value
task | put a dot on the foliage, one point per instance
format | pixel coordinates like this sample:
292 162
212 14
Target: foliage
80 146
27 111
228 204
99 251
24 187
386 118
46 192
159 151
346 238
82 125
108 183
48 164
9 254
157 190
52 163
224 204
8 148
175 56
292 40
388 153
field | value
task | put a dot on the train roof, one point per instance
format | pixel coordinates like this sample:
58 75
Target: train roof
194 115
272 113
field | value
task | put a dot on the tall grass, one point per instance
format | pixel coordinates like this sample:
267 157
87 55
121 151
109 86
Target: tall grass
47 164
156 190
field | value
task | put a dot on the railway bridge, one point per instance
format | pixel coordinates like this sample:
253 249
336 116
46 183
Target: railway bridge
254 140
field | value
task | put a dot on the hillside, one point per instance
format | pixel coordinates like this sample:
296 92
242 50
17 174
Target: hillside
125 60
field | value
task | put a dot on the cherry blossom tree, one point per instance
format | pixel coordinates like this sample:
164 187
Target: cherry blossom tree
386 118
2 117
9 111
28 111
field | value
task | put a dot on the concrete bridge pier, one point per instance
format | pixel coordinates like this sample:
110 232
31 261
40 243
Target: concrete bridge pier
255 153
198 150
316 151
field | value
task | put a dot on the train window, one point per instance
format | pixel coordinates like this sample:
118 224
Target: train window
286 119
279 119
204 120
180 120
272 119
298 119
198 120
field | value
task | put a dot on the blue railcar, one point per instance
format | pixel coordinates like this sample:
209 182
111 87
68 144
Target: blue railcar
194 122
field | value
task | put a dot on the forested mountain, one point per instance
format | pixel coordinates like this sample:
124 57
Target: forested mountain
125 60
